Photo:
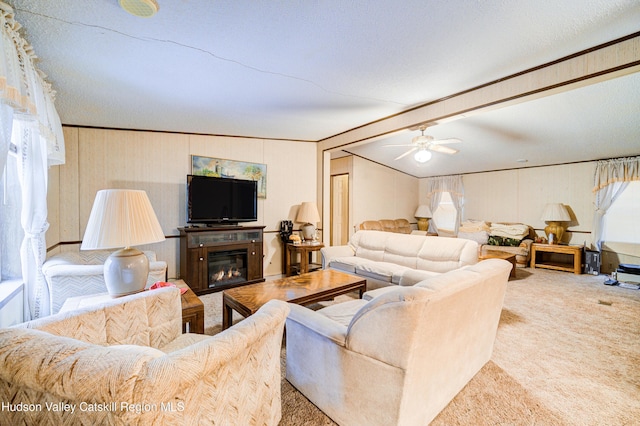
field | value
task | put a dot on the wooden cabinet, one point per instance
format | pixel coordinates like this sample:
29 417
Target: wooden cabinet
215 258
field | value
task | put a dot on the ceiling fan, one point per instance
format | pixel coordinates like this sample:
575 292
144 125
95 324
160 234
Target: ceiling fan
423 144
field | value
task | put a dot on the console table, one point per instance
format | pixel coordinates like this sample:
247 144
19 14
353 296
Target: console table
558 257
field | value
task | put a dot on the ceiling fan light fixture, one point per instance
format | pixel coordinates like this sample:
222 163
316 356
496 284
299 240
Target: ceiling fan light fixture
422 156
141 8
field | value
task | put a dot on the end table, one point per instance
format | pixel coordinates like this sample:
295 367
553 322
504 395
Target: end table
306 250
560 257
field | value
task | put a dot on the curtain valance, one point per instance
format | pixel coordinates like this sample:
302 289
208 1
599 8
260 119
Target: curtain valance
23 86
616 170
610 180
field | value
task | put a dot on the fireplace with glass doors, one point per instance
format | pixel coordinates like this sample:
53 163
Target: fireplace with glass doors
215 258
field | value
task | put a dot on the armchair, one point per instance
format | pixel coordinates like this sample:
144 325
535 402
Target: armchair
126 362
401 357
71 274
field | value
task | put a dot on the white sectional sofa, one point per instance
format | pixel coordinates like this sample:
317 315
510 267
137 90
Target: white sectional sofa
401 354
386 258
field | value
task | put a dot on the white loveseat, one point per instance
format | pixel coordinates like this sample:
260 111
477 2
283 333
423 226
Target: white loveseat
74 273
401 357
386 258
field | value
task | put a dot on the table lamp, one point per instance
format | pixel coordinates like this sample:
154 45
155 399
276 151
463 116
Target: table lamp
308 214
555 214
121 218
423 214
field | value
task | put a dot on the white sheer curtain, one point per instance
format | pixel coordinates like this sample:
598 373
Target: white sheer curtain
28 119
451 184
32 173
611 179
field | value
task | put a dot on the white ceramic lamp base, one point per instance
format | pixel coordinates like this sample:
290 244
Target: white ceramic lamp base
126 272
308 232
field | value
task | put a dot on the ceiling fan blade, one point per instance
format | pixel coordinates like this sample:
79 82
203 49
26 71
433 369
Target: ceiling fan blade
444 141
405 154
442 149
404 144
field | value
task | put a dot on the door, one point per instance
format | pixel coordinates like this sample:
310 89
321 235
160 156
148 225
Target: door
339 209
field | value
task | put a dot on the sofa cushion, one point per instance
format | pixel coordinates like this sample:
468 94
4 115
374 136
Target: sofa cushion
402 249
382 271
439 254
349 263
371 244
343 266
342 313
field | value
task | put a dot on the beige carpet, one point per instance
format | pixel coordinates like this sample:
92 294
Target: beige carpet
567 353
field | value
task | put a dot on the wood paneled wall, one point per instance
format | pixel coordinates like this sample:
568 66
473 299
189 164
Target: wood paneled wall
158 163
520 196
379 192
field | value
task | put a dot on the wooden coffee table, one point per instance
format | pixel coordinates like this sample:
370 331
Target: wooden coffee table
301 289
497 254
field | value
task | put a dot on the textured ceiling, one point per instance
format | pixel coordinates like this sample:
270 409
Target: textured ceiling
312 69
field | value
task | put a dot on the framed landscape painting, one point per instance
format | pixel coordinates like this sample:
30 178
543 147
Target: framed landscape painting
220 167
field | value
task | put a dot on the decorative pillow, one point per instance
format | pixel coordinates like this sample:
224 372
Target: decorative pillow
495 240
481 237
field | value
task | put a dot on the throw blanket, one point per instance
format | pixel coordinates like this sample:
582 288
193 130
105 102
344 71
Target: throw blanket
469 226
515 231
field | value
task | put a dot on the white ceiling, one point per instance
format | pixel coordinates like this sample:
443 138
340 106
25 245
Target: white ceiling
307 70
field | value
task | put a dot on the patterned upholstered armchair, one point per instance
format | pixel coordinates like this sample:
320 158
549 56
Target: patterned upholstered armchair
126 362
71 274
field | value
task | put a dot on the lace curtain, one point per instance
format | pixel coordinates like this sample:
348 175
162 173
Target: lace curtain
611 179
29 122
451 184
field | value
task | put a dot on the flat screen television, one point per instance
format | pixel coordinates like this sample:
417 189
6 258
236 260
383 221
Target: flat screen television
214 200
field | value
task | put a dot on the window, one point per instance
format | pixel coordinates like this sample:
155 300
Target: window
445 215
11 233
621 223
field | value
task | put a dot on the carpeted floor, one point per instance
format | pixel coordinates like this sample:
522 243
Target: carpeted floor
567 353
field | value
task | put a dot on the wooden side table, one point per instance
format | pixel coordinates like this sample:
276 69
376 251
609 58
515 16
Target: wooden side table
305 250
192 310
558 257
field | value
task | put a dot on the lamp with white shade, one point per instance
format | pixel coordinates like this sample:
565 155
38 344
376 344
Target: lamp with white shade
554 214
120 219
423 214
308 214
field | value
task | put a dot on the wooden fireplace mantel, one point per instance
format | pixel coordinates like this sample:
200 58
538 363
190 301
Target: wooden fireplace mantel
198 242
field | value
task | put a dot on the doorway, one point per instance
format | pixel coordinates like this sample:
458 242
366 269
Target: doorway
339 209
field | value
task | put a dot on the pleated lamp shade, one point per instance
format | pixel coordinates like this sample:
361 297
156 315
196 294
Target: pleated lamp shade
308 214
555 214
121 218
